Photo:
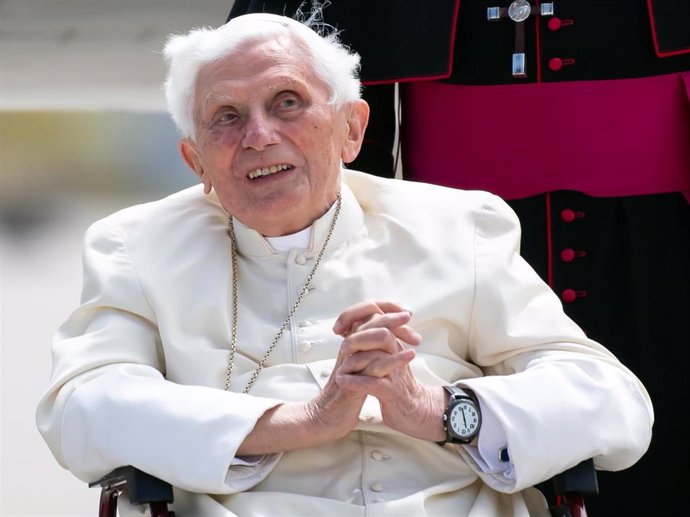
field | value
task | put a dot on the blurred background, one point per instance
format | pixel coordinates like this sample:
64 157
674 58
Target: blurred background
83 133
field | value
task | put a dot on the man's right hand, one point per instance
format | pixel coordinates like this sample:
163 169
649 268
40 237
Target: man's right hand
335 411
378 364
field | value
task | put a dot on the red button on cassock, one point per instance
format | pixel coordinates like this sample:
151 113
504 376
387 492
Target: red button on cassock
554 23
568 255
555 64
568 295
568 215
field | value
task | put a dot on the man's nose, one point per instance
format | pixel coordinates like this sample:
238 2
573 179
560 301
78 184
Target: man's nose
259 133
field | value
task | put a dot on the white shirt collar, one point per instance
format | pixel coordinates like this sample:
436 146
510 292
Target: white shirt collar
299 240
251 243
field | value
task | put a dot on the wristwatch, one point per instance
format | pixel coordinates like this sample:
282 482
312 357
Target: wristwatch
463 418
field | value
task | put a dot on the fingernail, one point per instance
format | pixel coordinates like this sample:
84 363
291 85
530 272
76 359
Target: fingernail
409 353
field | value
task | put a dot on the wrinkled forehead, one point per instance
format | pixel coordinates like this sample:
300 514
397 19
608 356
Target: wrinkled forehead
260 60
247 43
261 52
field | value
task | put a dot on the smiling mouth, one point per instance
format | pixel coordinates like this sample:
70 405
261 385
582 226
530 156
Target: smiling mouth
267 171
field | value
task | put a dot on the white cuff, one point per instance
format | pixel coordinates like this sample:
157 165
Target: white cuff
492 441
247 471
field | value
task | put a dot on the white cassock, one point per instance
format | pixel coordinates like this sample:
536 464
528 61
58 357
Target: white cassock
139 367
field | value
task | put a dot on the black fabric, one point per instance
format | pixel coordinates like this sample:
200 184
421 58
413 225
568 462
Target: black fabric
378 154
636 280
378 159
407 39
608 39
672 22
397 38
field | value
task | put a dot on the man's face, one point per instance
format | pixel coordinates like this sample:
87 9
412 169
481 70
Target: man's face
266 139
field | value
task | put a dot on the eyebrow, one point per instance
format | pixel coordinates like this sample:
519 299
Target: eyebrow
218 98
281 84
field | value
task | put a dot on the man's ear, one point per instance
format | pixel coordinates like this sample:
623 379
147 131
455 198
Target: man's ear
190 156
357 123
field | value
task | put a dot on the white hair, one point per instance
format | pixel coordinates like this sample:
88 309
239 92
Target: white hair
185 54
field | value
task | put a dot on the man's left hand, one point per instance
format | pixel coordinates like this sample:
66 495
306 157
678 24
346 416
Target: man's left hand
378 364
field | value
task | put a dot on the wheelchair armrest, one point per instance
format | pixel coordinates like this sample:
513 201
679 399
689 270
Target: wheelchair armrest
570 486
142 488
581 479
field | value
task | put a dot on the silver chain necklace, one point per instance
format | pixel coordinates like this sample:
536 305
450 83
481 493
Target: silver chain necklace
235 303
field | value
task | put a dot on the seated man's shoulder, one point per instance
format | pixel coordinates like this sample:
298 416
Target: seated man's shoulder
412 197
182 212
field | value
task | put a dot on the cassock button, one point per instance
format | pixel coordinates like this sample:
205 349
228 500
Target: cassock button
378 455
306 346
568 255
568 295
376 487
555 64
568 215
301 259
554 24
325 372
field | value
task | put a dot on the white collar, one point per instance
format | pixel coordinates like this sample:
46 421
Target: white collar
299 240
251 243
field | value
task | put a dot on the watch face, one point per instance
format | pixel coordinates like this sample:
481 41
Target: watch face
464 419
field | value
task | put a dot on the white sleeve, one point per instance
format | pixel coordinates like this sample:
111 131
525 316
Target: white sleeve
186 435
109 404
246 472
559 397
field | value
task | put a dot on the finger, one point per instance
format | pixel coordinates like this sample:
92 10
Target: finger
363 384
354 315
380 384
362 311
358 362
374 364
408 335
383 338
396 323
387 306
389 320
379 338
386 365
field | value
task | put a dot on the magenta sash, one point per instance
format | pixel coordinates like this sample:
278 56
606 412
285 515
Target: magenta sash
604 138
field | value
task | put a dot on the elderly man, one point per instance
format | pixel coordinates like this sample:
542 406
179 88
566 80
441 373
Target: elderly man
292 338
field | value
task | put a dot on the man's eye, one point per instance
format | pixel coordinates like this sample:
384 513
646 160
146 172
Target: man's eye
287 103
227 117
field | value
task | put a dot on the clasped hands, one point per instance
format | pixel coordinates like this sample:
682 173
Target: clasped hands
371 361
